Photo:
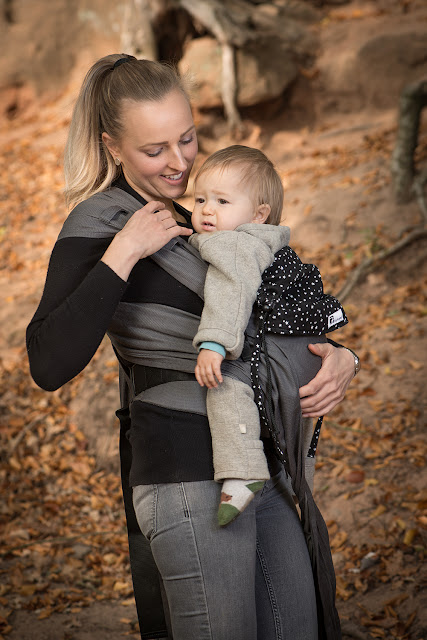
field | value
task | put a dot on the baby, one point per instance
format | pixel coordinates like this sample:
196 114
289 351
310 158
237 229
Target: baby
237 213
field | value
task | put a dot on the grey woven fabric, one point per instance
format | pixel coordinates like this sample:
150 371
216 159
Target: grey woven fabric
157 338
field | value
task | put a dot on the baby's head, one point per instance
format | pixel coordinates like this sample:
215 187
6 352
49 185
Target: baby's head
235 186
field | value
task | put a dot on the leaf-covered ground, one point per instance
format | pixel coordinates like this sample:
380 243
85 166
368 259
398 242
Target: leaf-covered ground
64 573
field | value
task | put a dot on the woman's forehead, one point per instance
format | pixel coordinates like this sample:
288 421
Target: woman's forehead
154 121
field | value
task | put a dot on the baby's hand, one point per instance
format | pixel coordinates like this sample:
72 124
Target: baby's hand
208 368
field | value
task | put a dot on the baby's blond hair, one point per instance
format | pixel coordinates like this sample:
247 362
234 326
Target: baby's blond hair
258 173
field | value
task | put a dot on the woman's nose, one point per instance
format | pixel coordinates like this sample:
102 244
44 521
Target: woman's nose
177 160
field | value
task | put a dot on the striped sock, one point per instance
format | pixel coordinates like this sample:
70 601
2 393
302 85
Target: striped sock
235 496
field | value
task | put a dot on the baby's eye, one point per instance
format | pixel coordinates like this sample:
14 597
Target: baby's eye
200 200
222 201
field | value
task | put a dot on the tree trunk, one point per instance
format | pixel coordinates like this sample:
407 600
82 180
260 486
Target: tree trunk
218 19
412 100
137 37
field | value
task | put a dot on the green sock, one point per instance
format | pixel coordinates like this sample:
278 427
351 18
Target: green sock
235 496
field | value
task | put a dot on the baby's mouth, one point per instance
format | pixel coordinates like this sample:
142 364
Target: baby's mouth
208 226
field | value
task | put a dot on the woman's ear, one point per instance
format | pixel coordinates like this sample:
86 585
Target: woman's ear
261 214
111 146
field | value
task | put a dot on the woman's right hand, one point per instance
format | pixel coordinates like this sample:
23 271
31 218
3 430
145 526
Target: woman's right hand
147 231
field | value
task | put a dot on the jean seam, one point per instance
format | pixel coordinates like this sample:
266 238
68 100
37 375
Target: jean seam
270 590
154 510
188 516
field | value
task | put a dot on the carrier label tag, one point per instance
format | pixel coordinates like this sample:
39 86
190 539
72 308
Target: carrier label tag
334 318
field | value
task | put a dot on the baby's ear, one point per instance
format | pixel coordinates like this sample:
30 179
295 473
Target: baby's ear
261 214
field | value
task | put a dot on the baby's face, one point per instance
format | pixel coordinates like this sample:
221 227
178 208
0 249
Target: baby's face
222 201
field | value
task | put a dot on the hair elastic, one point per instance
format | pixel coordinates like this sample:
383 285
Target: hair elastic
121 61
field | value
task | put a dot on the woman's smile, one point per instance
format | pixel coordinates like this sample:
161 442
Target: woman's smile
158 146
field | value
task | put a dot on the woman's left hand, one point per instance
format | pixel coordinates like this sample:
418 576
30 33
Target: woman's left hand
328 388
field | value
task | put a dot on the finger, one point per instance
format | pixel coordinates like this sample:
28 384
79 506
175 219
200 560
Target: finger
210 378
217 371
163 215
176 230
321 349
319 410
320 406
198 376
310 389
152 207
184 231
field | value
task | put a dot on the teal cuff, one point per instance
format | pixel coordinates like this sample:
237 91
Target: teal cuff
213 346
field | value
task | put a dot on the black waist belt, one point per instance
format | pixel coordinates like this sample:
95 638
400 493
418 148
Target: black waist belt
146 377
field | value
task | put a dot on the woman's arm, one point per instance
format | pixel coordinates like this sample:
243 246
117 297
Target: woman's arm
79 299
85 282
328 388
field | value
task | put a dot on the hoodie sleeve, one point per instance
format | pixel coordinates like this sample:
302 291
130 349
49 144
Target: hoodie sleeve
236 261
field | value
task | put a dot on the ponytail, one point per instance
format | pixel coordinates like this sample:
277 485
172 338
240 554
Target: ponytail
88 166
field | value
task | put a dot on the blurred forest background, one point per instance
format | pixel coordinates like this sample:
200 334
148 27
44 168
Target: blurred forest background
317 85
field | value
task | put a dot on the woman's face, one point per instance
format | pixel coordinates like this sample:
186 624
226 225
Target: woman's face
158 146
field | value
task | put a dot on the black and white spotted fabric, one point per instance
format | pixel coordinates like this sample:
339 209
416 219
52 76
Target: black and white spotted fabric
292 293
290 301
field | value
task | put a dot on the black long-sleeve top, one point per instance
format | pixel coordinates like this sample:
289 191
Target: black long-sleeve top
80 297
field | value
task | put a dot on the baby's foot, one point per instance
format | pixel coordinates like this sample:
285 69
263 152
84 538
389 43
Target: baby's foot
235 497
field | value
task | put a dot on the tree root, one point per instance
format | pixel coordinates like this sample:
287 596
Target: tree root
368 264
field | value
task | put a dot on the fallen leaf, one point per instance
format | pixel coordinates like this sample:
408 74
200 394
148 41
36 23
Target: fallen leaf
379 511
355 476
409 536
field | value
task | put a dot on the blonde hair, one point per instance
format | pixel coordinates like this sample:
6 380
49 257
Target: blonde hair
258 173
88 166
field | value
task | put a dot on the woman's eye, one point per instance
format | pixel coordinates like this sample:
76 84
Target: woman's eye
153 154
187 140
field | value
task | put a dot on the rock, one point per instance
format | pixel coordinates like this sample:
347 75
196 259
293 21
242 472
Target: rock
42 42
374 68
264 70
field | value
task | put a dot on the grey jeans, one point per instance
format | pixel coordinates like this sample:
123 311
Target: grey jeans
251 580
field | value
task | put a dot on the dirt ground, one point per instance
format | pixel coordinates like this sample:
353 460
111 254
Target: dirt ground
64 573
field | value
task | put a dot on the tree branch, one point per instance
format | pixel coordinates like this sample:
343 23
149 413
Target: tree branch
59 540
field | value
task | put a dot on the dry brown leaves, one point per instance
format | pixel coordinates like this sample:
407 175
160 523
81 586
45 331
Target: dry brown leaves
62 531
62 525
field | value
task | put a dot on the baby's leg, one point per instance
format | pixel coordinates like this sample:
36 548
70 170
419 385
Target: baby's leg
238 453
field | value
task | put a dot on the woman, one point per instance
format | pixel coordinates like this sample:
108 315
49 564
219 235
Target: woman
119 266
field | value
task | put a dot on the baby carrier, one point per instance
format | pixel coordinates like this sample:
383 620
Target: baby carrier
291 302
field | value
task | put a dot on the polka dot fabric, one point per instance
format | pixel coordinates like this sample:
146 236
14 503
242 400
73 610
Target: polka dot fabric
293 294
290 301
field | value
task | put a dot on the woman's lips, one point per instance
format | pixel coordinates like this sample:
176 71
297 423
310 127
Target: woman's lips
175 178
